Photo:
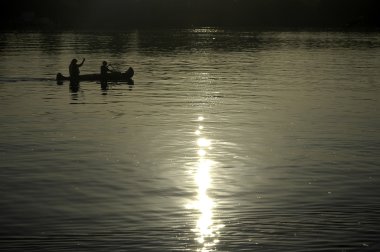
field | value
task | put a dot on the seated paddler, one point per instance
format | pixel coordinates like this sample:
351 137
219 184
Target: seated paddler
104 70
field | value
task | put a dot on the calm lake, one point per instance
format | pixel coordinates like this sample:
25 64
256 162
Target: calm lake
227 141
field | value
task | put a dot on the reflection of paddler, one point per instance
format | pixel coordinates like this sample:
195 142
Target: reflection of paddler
74 69
74 86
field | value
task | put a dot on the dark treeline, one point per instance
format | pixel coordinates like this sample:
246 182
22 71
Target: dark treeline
126 14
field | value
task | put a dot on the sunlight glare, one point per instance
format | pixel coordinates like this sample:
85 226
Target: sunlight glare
203 142
201 153
206 230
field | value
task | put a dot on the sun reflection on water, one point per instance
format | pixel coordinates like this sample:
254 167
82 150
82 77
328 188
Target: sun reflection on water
206 229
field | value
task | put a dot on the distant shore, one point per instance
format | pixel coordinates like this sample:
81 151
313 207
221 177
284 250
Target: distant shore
95 15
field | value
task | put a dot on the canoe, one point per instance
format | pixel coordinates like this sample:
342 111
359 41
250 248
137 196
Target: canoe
113 76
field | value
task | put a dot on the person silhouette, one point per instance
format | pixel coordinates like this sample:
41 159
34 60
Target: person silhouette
104 70
74 69
103 74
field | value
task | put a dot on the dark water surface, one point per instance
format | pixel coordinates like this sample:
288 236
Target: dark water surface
228 141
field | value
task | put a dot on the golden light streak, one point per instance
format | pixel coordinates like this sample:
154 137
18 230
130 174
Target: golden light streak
206 230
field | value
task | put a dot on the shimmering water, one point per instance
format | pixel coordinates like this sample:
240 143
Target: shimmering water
228 141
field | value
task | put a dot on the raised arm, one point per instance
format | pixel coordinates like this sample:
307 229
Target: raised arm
82 62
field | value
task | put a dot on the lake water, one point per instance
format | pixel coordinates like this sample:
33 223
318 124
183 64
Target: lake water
227 141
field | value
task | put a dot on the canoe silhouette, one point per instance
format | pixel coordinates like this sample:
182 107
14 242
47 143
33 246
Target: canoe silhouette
113 76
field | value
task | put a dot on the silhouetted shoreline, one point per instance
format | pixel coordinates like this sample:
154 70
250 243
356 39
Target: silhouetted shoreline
81 15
